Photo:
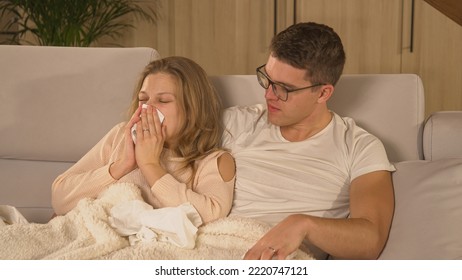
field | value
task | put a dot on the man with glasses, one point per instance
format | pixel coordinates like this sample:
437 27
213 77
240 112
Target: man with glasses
316 177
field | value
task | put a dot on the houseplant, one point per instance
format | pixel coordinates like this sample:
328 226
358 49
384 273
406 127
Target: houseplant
71 22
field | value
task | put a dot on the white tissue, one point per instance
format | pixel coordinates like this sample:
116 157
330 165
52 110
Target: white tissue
133 129
138 220
10 215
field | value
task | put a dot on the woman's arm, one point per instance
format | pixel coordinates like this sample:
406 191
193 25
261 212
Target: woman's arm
211 193
89 176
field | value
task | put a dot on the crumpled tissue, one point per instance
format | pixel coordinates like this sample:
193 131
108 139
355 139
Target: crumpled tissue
10 215
142 223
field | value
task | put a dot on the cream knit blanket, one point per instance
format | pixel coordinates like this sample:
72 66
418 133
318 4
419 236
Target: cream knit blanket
85 233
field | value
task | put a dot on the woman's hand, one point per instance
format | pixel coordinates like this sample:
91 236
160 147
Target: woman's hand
127 163
150 139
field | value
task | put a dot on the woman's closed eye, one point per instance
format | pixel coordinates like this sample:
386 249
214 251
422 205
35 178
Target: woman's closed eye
164 100
143 99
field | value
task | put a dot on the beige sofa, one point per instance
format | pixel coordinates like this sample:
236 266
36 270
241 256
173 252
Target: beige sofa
56 103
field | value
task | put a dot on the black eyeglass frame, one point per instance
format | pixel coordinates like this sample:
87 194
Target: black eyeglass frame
272 84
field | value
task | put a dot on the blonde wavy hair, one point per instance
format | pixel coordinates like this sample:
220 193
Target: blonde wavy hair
198 101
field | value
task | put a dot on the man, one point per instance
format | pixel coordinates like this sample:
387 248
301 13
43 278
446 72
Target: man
319 179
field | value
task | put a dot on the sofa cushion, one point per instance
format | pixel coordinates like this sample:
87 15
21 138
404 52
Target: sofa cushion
427 222
26 185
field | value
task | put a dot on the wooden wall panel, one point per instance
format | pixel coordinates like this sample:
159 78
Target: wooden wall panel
370 30
225 37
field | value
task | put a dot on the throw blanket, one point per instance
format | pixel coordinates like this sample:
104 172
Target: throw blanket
86 233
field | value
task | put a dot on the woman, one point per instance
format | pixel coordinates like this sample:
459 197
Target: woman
173 162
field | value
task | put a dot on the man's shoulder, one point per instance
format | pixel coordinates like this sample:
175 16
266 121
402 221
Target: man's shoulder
242 111
243 121
246 116
343 120
354 135
349 125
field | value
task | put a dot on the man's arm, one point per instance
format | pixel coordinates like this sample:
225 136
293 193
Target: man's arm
362 236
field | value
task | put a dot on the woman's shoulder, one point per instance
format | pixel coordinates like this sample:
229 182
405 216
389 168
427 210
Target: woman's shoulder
117 129
216 154
116 132
222 161
216 157
120 125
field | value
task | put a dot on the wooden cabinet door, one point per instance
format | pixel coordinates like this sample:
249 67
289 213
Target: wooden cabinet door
436 57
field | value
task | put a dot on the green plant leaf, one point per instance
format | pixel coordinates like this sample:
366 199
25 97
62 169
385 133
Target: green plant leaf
72 22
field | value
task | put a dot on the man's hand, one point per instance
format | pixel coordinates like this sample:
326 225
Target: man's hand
281 240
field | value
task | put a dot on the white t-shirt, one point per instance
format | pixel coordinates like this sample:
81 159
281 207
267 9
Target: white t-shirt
276 178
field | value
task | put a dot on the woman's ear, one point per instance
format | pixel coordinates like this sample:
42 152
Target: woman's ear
325 93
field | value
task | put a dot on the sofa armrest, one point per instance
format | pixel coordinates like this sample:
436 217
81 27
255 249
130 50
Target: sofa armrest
442 135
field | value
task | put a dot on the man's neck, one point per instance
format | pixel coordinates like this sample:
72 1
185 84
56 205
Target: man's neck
304 130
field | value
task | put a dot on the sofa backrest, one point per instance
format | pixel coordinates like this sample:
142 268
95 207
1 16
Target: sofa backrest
55 104
390 106
63 97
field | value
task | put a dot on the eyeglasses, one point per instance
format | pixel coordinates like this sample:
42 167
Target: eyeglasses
279 90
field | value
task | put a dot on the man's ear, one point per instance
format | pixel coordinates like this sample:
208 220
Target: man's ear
325 93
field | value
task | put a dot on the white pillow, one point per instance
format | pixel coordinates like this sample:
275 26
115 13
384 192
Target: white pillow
427 223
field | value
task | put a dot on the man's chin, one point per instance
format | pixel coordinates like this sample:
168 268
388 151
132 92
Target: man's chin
275 120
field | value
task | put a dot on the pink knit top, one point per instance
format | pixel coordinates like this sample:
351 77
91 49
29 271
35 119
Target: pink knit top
208 193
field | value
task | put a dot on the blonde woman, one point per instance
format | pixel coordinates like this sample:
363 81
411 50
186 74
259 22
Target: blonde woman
174 161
